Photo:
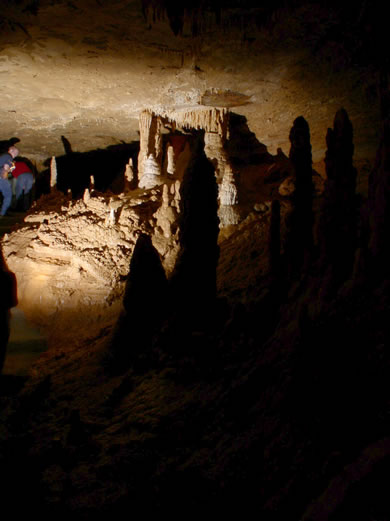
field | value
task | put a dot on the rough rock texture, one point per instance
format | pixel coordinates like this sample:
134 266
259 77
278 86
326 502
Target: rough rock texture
74 255
86 70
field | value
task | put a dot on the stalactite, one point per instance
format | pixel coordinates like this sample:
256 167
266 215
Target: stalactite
208 119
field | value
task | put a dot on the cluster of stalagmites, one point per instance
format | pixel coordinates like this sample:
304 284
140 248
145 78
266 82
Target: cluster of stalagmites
345 243
158 161
86 244
187 298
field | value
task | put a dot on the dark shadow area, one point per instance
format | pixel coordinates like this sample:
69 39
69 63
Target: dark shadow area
74 169
8 299
243 147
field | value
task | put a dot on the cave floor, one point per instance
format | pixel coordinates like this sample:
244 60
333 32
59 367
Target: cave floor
26 343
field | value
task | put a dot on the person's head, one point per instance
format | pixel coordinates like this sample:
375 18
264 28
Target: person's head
13 151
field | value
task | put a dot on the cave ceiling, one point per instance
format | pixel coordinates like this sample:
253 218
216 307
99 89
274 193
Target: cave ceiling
86 69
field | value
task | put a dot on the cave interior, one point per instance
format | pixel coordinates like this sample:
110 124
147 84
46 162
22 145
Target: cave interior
205 254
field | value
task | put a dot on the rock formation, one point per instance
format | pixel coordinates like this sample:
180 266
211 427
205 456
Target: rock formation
71 255
144 305
338 224
228 198
129 175
193 281
151 176
53 173
379 193
299 241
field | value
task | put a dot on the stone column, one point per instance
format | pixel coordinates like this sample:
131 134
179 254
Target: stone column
150 141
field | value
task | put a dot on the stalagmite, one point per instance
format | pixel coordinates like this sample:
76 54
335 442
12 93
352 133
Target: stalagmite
144 305
176 200
152 174
379 193
166 215
228 189
111 217
299 240
165 197
158 147
91 183
193 281
129 175
338 226
228 197
86 196
53 173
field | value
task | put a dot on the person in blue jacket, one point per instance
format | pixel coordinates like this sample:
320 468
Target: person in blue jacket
6 164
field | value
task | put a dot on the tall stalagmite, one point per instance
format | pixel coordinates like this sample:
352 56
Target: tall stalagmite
338 221
299 241
379 192
143 303
193 281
